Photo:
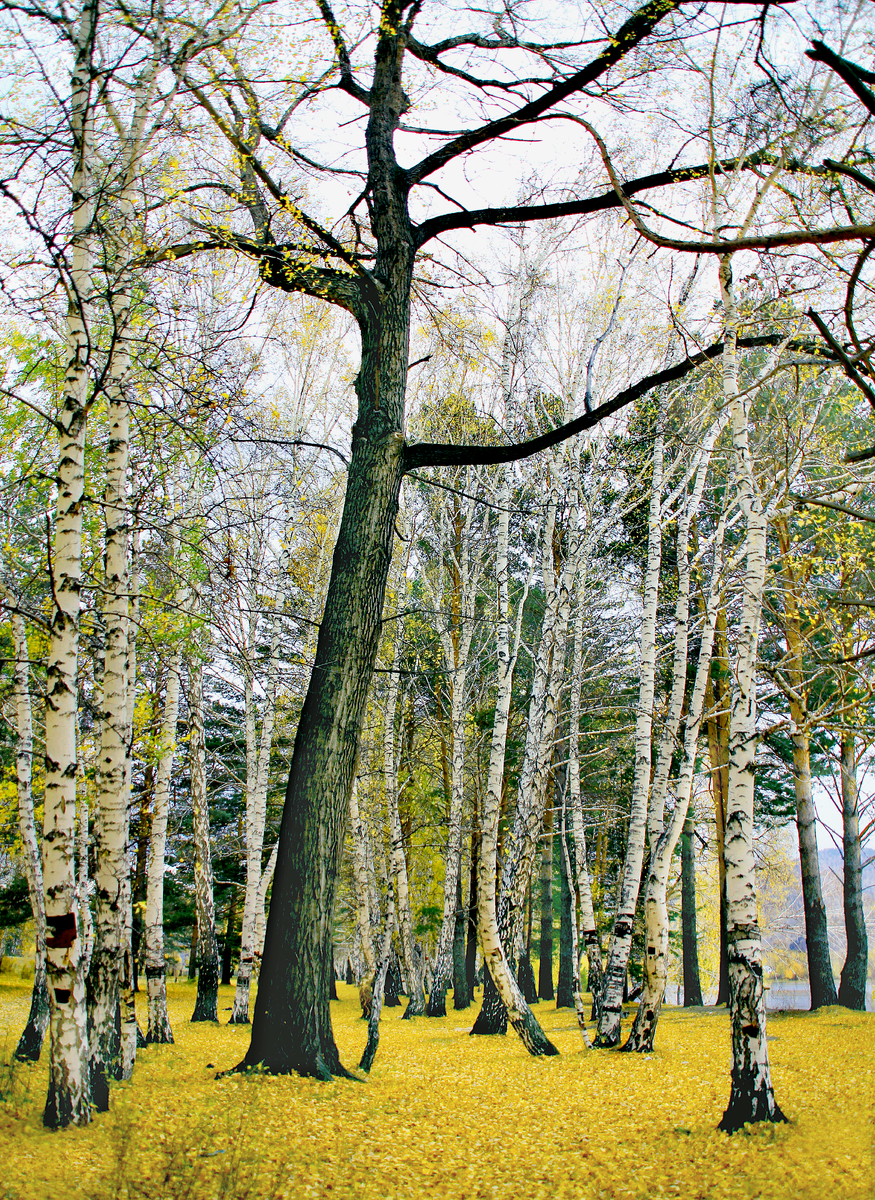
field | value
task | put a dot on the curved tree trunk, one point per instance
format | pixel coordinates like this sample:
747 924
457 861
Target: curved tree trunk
206 1006
518 1012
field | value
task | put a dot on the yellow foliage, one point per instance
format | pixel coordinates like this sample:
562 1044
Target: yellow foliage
445 1114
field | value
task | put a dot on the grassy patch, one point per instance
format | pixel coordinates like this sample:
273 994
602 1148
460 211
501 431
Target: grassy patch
447 1114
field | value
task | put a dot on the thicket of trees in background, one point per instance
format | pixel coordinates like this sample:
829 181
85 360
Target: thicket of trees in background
384 570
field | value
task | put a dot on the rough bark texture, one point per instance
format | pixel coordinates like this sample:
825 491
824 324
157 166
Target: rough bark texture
751 1097
545 941
461 997
852 990
206 1006
68 1100
382 968
565 985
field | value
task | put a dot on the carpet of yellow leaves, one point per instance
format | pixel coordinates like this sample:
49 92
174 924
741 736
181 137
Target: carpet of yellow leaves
445 1114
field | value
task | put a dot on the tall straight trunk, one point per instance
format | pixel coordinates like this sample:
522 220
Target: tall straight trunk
358 835
494 954
689 932
820 976
852 990
455 640
69 1100
112 869
545 895
569 875
717 701
752 1097
31 1040
158 1027
397 858
257 778
621 938
131 1034
206 1006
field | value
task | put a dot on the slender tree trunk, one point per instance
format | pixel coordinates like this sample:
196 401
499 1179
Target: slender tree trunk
621 939
690 951
471 943
852 992
718 752
382 967
131 1034
565 985
266 880
752 1097
206 1006
31 1041
358 834
256 813
228 946
158 1028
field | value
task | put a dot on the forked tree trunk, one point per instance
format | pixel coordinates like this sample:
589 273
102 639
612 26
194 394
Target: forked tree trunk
752 1097
621 939
69 1100
206 1006
31 1041
158 1027
258 762
852 991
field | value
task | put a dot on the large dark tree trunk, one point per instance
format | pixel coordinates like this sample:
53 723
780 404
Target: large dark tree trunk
820 976
545 946
461 995
692 983
565 982
852 990
391 998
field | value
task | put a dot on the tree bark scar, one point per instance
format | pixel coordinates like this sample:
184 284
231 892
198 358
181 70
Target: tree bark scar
64 931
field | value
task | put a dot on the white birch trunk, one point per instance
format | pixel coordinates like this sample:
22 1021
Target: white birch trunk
69 1100
257 778
751 1097
621 939
358 836
30 1043
130 1031
662 850
379 987
158 1029
266 878
494 955
207 1003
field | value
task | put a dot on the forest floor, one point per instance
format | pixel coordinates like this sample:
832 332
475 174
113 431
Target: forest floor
445 1114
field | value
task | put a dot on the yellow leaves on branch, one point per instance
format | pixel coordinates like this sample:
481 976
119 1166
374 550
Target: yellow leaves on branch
445 1114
